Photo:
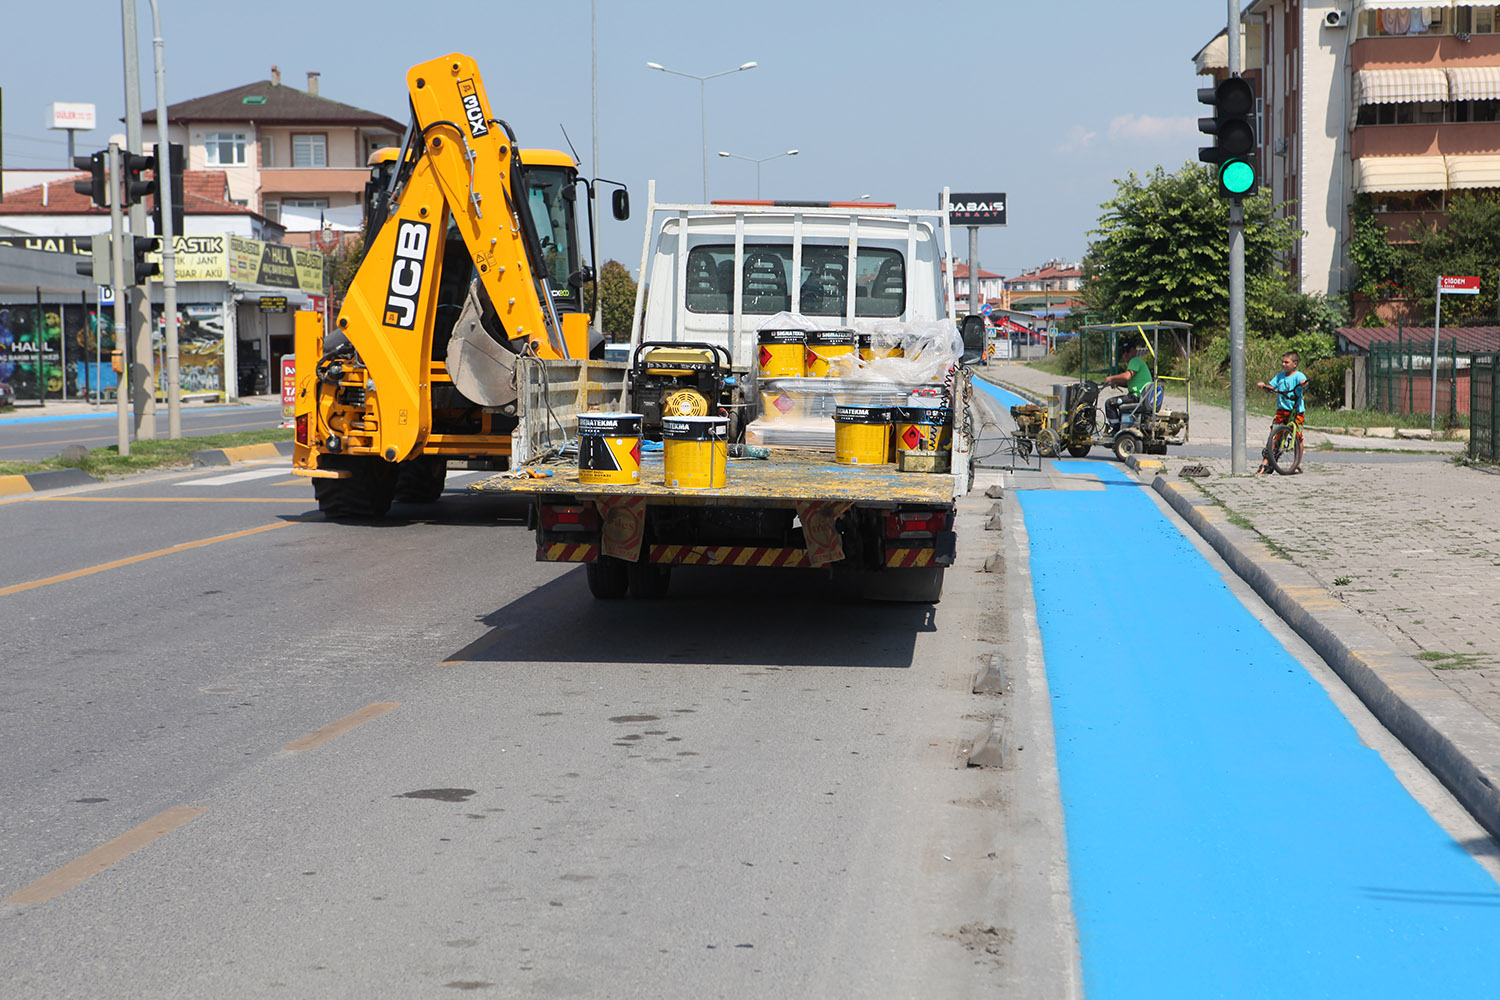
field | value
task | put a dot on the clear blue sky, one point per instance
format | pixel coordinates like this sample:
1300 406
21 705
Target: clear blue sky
1048 102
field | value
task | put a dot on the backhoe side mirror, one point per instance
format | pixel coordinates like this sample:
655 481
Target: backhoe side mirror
620 203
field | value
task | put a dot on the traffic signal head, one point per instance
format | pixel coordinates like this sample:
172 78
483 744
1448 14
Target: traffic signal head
1233 155
172 171
140 247
98 266
97 186
137 188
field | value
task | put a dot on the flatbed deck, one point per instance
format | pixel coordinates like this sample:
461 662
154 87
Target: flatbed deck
785 478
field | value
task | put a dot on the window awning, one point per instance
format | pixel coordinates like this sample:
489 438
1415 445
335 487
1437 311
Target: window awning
1384 174
1474 83
1400 4
1481 171
1400 86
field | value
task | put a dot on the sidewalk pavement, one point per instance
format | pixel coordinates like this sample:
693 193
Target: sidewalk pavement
1388 565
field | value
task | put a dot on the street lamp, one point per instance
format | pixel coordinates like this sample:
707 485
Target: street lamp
702 106
758 162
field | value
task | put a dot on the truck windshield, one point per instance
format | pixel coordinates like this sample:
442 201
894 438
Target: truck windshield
879 280
555 227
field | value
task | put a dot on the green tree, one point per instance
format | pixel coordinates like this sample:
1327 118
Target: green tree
1468 245
1161 251
619 299
1375 260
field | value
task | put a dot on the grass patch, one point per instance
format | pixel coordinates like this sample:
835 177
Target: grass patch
158 454
1453 661
1342 581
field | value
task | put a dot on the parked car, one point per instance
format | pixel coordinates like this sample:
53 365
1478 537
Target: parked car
7 395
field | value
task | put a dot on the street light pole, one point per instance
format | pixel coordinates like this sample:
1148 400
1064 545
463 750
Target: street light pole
757 162
702 105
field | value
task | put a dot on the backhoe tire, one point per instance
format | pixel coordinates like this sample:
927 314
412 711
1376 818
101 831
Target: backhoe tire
421 480
649 581
365 495
608 578
1079 450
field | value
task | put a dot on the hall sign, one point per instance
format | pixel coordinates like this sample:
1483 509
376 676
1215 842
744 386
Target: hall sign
976 209
1458 285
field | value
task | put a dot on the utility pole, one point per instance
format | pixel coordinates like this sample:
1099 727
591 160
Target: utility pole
164 195
143 386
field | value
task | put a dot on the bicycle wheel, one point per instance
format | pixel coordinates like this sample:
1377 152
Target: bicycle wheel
1284 448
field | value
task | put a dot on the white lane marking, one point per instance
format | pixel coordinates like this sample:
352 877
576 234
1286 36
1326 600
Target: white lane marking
238 477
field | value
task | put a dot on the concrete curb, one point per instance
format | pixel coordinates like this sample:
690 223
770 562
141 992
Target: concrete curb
243 453
1453 739
35 482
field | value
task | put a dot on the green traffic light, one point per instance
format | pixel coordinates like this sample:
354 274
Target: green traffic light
1237 176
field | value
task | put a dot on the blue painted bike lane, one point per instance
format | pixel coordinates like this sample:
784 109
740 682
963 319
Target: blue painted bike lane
1228 833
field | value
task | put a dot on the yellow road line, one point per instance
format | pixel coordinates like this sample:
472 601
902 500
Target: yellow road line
314 740
100 858
129 560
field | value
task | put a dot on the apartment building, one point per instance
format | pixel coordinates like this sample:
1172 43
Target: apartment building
288 154
1369 97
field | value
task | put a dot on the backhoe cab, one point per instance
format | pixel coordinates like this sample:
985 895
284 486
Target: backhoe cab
471 265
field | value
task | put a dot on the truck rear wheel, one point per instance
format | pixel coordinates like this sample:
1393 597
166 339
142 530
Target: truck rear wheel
367 493
421 480
913 585
608 579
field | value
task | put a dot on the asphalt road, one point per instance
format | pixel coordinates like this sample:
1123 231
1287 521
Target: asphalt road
33 434
253 753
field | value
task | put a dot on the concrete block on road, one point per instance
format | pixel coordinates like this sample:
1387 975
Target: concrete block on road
35 482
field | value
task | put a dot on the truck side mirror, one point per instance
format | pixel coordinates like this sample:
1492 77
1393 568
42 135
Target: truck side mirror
620 204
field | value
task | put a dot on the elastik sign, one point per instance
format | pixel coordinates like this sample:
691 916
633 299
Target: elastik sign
1458 285
976 209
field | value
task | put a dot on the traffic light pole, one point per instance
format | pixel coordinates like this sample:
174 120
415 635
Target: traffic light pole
1236 337
1236 284
117 279
143 386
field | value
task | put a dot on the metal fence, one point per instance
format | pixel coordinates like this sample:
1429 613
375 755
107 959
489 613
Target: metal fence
1401 378
1484 406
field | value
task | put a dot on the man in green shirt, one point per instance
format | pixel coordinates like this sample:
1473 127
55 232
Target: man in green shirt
1135 378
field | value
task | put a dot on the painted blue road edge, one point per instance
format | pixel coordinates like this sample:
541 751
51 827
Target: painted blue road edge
1229 835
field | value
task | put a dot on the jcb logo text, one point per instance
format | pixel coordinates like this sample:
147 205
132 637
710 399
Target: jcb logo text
410 256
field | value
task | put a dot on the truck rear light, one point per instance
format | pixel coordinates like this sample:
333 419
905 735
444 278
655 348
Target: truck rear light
302 429
569 517
915 524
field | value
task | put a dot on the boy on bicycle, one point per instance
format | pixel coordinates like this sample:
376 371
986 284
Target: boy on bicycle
1288 385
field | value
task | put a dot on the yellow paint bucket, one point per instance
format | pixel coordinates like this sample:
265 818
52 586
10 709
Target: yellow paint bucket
923 428
609 448
865 342
777 405
825 345
695 451
862 435
782 354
